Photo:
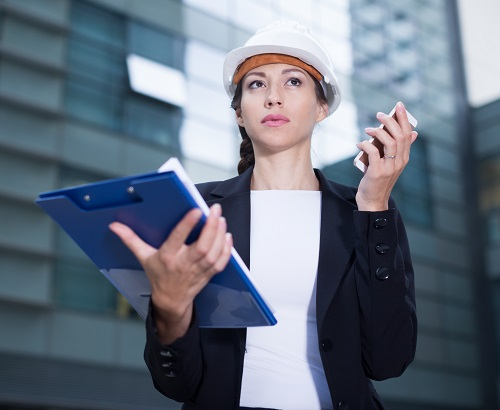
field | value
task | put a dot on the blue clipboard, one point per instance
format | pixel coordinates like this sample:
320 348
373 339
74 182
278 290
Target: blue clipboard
151 204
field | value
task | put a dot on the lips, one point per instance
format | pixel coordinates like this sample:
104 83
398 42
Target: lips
274 120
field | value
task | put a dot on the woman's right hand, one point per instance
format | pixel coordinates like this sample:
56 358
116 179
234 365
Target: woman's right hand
178 272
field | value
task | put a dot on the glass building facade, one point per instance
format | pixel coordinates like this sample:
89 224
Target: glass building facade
71 113
403 51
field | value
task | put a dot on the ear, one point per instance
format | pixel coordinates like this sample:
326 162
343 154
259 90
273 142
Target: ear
322 112
239 118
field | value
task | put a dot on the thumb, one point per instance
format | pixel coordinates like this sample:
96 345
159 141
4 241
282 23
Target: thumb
137 246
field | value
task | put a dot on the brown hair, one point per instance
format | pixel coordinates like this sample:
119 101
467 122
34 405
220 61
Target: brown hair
247 156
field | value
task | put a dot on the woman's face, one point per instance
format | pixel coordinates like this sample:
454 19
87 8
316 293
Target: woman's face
279 108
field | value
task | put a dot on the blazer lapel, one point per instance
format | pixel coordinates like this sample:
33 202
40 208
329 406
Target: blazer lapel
336 242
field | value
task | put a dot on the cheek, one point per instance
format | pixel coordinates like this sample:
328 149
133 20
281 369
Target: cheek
248 112
246 102
307 112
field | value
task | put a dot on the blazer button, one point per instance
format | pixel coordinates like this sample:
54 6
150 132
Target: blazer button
326 344
342 406
170 373
382 248
166 353
382 273
380 223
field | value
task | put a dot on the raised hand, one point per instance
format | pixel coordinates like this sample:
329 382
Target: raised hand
397 136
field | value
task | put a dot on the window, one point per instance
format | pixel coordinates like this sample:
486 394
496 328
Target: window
394 51
97 86
97 24
96 82
156 45
489 183
145 118
412 191
78 284
495 299
492 222
88 102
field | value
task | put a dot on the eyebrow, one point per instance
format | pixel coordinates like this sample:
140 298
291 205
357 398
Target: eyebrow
289 70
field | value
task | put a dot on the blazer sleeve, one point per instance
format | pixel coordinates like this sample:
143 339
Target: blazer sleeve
176 369
386 293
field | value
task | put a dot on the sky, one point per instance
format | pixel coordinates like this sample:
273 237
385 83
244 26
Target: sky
481 46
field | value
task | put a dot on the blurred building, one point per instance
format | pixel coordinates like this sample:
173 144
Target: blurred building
73 109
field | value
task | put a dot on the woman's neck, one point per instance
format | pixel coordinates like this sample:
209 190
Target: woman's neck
285 173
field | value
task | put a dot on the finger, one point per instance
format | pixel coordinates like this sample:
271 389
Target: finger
226 253
397 125
180 233
389 124
208 234
384 138
407 135
373 155
137 246
406 144
402 118
400 129
217 246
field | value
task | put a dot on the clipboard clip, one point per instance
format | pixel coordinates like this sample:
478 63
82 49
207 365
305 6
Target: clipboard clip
101 196
130 190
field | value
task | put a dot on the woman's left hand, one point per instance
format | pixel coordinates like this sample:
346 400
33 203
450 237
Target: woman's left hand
397 136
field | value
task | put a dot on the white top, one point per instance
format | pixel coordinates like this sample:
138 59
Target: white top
282 367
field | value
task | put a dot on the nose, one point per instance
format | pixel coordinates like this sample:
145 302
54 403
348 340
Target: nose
273 98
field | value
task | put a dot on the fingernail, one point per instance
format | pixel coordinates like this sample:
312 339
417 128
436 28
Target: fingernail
400 106
368 129
380 115
216 209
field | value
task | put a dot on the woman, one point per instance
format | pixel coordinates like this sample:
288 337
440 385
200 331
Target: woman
333 261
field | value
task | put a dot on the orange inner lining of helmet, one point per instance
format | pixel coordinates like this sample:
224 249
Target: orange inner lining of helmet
272 58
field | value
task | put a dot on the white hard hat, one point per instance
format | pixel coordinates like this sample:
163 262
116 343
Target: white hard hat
292 39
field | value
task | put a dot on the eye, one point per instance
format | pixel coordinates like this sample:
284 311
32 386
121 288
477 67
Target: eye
294 81
256 84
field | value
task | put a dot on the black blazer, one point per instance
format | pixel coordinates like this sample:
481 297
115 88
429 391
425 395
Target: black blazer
365 307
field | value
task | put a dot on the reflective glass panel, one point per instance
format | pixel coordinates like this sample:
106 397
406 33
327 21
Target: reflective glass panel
79 285
147 119
156 45
97 24
93 103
